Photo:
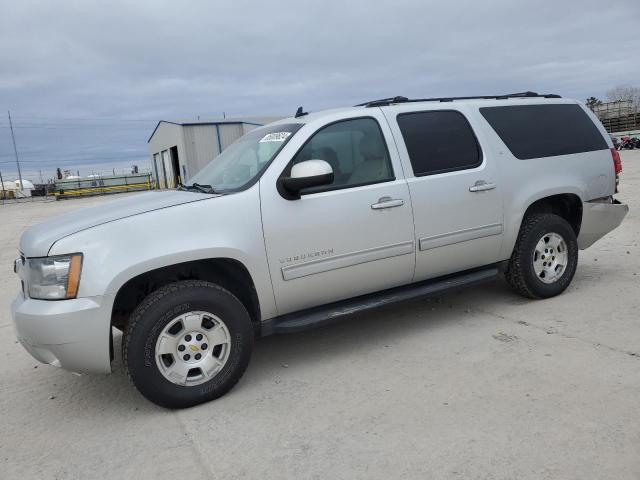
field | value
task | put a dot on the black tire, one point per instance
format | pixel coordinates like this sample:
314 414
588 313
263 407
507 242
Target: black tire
520 272
154 314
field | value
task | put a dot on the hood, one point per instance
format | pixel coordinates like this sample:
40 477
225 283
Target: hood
36 241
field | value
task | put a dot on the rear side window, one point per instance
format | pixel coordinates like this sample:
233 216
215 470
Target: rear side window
439 141
534 131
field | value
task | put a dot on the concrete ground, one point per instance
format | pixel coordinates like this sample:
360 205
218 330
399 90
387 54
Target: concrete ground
479 384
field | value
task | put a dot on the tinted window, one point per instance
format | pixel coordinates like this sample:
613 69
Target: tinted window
533 131
355 149
439 141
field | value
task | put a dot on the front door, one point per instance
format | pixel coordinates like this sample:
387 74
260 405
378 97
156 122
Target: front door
352 237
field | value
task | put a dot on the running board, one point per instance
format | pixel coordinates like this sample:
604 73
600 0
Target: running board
327 314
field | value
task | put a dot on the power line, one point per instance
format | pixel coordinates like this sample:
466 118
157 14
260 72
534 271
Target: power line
71 124
115 119
81 162
23 161
77 155
66 127
74 121
77 122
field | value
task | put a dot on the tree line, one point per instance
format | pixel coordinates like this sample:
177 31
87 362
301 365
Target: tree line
625 93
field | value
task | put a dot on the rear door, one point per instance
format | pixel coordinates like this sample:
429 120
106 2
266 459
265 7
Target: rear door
454 188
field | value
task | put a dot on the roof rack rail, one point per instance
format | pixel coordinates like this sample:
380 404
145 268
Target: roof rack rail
388 101
383 101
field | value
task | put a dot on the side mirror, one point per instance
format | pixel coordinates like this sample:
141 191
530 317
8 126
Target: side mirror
310 173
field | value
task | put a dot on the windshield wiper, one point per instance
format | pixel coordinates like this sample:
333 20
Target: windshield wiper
196 187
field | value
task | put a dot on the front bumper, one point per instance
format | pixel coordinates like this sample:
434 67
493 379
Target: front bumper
72 334
598 219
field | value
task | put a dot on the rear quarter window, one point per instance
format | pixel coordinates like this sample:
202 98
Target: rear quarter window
536 131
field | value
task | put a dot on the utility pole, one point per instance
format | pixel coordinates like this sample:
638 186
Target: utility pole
15 149
41 180
2 185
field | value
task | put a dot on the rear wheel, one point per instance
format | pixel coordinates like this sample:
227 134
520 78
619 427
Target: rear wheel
545 257
187 343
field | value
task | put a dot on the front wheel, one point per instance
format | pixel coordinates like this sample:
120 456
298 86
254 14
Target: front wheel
545 257
187 343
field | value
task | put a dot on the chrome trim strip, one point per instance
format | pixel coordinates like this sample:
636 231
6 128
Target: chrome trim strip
459 236
298 270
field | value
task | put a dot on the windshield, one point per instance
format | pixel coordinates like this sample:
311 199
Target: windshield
244 160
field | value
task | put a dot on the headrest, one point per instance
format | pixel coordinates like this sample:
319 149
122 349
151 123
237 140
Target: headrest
371 147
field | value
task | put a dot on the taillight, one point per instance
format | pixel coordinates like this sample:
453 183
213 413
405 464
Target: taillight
617 163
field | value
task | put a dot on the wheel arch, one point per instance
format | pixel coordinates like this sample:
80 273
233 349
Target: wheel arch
228 273
566 203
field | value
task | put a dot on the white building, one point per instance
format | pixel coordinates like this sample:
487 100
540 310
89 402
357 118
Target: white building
25 191
7 187
180 149
14 187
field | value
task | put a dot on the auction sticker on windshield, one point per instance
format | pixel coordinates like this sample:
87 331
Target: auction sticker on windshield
275 137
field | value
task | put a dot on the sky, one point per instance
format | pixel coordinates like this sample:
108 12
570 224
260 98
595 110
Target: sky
87 81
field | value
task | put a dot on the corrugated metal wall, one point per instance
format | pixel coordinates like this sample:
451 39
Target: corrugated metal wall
197 145
201 144
229 133
246 128
166 136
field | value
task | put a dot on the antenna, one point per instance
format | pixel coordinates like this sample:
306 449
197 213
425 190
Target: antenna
300 112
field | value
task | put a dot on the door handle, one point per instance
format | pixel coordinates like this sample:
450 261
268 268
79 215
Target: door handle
482 186
387 202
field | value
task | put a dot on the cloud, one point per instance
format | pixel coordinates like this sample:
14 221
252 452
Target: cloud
80 76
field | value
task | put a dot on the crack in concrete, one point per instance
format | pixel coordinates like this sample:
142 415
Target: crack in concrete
555 331
195 447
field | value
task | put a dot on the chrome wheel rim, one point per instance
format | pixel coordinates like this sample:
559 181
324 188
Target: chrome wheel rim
192 348
550 258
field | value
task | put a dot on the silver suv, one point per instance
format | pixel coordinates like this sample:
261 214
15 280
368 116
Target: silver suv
309 219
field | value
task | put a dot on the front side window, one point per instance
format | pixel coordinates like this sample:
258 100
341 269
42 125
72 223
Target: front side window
439 141
356 151
242 163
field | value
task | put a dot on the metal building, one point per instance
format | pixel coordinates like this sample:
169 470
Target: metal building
180 149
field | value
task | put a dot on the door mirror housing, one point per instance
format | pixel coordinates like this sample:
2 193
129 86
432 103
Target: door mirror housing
310 173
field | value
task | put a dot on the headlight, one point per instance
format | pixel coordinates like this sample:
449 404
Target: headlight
54 278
